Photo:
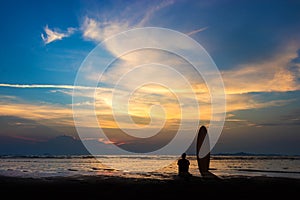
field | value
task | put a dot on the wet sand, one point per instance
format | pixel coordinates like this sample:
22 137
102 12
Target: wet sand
112 187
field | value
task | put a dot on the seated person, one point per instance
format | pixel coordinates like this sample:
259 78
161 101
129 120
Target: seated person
183 166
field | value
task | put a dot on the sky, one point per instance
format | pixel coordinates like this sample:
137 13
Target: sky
254 44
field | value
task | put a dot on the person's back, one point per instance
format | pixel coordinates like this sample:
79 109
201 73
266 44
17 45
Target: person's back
183 166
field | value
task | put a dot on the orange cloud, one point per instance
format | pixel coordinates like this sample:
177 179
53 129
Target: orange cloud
50 114
270 75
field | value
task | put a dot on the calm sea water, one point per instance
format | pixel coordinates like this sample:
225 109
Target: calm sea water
141 166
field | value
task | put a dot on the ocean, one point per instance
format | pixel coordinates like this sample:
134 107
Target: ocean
142 166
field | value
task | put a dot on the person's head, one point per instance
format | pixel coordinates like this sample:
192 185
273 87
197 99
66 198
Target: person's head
183 155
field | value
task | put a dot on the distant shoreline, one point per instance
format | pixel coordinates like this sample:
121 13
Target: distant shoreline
241 154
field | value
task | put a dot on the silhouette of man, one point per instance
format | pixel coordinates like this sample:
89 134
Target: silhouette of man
183 166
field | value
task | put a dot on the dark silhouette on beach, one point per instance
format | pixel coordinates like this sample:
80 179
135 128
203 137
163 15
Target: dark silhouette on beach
203 147
183 166
203 153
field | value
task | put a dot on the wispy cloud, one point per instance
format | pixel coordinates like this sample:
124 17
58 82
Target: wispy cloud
43 86
45 113
197 31
150 12
30 139
52 35
99 28
98 31
271 75
239 102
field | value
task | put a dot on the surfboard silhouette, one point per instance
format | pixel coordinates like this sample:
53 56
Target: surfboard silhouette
203 154
203 151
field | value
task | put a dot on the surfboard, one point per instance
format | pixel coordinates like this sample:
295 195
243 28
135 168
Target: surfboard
203 151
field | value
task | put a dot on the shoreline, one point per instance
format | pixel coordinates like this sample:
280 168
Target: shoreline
112 186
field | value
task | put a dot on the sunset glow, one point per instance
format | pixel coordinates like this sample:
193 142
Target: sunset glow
257 53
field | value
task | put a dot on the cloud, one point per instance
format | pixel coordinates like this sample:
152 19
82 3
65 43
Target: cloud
52 35
49 114
98 31
150 12
99 28
43 86
237 102
197 31
272 75
54 114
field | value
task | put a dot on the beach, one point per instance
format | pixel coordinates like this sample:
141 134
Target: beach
237 177
88 187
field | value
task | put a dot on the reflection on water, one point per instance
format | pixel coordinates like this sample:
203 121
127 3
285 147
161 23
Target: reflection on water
277 166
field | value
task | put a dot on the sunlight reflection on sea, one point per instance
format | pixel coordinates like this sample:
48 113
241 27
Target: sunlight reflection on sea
49 166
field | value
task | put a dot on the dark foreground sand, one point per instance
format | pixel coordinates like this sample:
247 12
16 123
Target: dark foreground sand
102 187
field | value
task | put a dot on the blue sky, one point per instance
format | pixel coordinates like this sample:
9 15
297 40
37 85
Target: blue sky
255 45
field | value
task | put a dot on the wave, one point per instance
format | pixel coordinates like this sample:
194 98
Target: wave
269 171
232 157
